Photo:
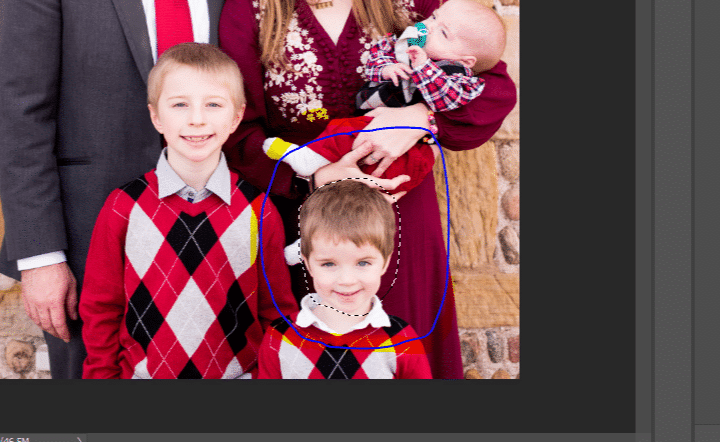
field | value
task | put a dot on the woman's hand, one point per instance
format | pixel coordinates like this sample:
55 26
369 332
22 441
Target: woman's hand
347 167
388 145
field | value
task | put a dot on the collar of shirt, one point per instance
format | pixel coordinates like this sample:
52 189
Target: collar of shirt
199 15
376 317
170 183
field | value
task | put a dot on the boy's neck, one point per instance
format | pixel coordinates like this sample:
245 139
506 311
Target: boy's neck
195 175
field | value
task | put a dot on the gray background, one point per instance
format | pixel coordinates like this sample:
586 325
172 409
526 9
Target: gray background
707 217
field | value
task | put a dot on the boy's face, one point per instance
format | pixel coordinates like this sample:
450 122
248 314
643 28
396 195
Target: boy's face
447 27
345 276
196 114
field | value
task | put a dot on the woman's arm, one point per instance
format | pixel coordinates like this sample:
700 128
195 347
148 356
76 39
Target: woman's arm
473 124
239 37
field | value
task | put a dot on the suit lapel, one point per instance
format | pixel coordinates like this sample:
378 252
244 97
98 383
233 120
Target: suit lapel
132 19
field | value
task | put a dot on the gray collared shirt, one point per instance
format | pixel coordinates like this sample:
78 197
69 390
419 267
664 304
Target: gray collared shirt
170 183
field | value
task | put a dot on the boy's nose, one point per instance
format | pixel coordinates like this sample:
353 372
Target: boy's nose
197 116
346 277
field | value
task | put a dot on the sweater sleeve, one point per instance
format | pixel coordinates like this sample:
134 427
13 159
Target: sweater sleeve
102 304
268 357
278 275
412 363
239 37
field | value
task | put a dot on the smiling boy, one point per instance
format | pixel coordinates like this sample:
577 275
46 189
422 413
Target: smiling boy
172 285
347 232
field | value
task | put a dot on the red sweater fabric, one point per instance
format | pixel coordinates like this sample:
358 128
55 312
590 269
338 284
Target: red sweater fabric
416 163
174 289
286 355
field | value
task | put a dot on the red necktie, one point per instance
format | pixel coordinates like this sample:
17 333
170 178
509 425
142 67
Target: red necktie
172 18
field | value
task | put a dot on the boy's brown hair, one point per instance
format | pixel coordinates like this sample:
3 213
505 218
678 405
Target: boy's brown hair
348 210
202 56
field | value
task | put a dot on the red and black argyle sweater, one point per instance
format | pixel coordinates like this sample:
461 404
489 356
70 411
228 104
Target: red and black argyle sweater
174 289
286 355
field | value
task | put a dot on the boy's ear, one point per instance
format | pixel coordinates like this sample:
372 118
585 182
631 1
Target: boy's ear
306 263
154 118
468 61
238 118
387 264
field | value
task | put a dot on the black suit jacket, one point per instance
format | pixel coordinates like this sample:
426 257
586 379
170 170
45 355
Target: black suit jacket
74 122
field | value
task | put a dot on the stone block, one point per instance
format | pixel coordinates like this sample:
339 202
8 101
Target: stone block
511 203
485 300
510 128
14 321
501 374
511 56
469 347
473 374
494 346
509 160
20 357
514 349
510 244
473 184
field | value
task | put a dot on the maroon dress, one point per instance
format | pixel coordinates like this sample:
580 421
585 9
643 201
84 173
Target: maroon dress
287 104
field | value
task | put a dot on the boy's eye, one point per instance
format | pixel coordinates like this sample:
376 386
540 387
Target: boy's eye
364 264
327 264
214 105
179 105
444 34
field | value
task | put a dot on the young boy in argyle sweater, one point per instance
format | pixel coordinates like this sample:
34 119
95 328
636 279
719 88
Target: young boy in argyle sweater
173 287
347 232
460 39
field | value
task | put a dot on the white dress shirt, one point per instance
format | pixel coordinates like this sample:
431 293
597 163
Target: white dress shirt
376 317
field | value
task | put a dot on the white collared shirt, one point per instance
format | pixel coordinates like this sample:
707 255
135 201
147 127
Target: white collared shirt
376 317
170 183
200 22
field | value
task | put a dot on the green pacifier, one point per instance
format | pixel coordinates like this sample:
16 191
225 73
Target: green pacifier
422 33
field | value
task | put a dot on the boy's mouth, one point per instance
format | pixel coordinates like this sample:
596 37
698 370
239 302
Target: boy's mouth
196 139
347 295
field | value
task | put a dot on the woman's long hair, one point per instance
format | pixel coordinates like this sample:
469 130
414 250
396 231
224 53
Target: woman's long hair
380 17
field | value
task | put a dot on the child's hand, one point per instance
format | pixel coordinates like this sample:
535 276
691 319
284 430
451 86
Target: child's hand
417 55
393 71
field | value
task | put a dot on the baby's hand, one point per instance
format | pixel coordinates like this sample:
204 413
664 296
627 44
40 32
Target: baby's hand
417 55
393 71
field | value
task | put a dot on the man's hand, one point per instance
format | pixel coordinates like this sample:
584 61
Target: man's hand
50 295
417 55
393 71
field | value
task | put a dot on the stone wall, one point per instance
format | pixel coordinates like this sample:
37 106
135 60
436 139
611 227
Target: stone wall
484 186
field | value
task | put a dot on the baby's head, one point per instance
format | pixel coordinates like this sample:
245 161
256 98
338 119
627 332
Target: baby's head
196 100
347 232
465 31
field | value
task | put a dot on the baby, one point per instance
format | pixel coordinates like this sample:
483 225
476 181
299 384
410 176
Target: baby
433 62
348 235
